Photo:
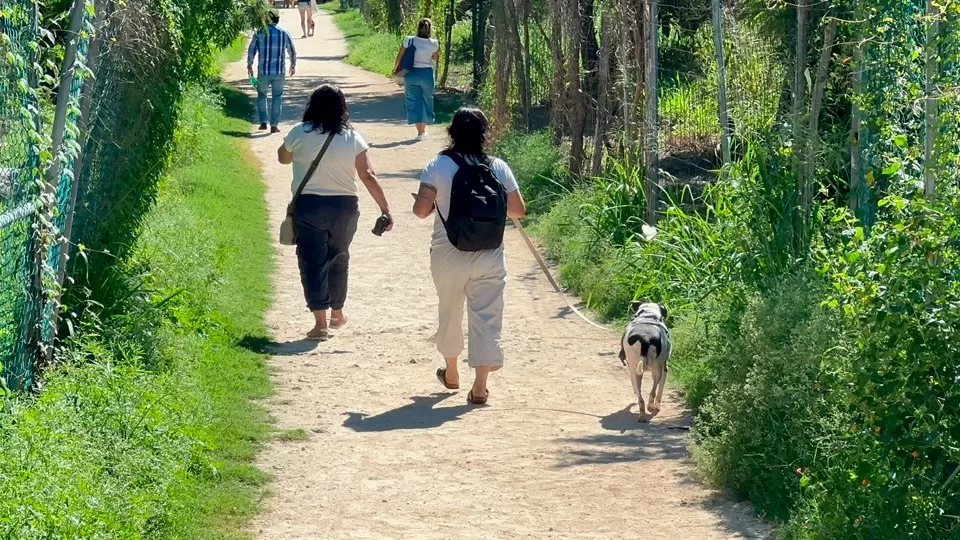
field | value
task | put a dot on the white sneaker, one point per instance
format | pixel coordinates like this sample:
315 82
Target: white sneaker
420 137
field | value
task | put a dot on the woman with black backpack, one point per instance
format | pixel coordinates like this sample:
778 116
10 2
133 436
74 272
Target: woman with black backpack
472 195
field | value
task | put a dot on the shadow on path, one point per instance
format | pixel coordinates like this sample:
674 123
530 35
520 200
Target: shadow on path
421 414
262 345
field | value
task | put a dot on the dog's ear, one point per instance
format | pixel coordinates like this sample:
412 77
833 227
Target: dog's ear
634 306
663 311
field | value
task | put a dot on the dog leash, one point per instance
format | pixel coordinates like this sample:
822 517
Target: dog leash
553 282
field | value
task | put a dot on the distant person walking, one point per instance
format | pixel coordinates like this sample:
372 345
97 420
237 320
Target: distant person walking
307 8
326 213
419 81
271 44
472 195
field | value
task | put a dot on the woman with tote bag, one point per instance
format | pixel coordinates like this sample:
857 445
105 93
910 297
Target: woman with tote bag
327 155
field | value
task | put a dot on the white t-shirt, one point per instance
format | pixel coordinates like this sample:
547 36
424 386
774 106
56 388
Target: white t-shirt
439 174
337 172
423 56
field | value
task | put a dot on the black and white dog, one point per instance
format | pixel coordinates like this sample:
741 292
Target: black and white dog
645 346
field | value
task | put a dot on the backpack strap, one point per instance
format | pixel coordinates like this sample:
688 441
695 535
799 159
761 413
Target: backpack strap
461 162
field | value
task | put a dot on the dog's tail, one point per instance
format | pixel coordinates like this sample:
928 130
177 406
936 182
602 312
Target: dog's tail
650 346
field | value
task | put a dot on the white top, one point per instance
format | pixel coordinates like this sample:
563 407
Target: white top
439 174
337 172
423 56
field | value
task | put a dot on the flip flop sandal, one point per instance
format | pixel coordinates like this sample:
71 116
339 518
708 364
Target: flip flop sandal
474 400
338 323
442 375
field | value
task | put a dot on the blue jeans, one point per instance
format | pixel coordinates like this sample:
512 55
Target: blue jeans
275 84
419 85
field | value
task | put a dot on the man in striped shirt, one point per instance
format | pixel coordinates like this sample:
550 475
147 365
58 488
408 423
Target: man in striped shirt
271 44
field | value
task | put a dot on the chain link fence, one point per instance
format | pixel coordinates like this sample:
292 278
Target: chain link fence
20 297
29 264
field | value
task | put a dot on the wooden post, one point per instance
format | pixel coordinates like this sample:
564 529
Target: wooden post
721 83
651 136
931 104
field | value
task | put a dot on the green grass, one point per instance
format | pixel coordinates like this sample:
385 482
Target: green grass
291 435
208 235
366 47
150 426
233 53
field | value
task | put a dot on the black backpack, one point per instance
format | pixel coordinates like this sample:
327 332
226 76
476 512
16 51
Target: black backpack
478 207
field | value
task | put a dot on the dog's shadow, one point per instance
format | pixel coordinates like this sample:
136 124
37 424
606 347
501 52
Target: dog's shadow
421 414
627 419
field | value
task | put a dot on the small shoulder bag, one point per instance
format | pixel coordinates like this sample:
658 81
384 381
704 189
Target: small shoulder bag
288 234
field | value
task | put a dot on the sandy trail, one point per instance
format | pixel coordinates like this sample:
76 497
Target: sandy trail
390 453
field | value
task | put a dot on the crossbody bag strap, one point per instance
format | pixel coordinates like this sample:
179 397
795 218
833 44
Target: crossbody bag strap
313 168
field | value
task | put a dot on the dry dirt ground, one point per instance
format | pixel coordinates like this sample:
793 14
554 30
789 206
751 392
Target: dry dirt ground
558 453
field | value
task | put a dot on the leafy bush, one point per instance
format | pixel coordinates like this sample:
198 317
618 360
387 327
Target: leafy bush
538 166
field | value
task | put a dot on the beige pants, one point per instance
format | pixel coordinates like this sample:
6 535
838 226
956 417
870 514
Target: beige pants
477 279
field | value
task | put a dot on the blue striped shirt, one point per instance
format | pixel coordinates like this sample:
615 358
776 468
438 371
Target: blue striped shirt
271 44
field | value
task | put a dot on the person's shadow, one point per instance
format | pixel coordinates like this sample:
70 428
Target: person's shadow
420 414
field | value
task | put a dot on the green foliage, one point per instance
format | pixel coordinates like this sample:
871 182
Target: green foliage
538 166
147 429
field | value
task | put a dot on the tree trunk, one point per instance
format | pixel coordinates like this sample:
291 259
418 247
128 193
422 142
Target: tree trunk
559 72
856 181
651 117
394 15
428 8
528 94
931 103
481 10
576 113
603 91
447 41
816 102
590 49
799 68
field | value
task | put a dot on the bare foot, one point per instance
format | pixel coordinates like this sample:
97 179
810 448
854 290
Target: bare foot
338 321
319 334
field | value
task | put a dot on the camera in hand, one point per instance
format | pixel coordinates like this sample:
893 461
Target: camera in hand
381 225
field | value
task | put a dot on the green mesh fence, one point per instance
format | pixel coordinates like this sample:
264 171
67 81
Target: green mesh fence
19 291
25 319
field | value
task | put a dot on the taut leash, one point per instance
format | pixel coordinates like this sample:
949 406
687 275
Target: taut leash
553 282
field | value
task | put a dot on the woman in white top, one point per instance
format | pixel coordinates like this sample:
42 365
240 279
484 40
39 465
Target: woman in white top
474 278
326 214
419 83
307 8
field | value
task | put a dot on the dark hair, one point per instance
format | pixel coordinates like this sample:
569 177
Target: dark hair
273 17
425 28
327 111
468 132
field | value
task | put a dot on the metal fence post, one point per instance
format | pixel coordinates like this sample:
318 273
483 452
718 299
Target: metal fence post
55 171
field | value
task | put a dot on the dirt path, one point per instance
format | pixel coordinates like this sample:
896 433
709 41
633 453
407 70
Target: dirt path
391 455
